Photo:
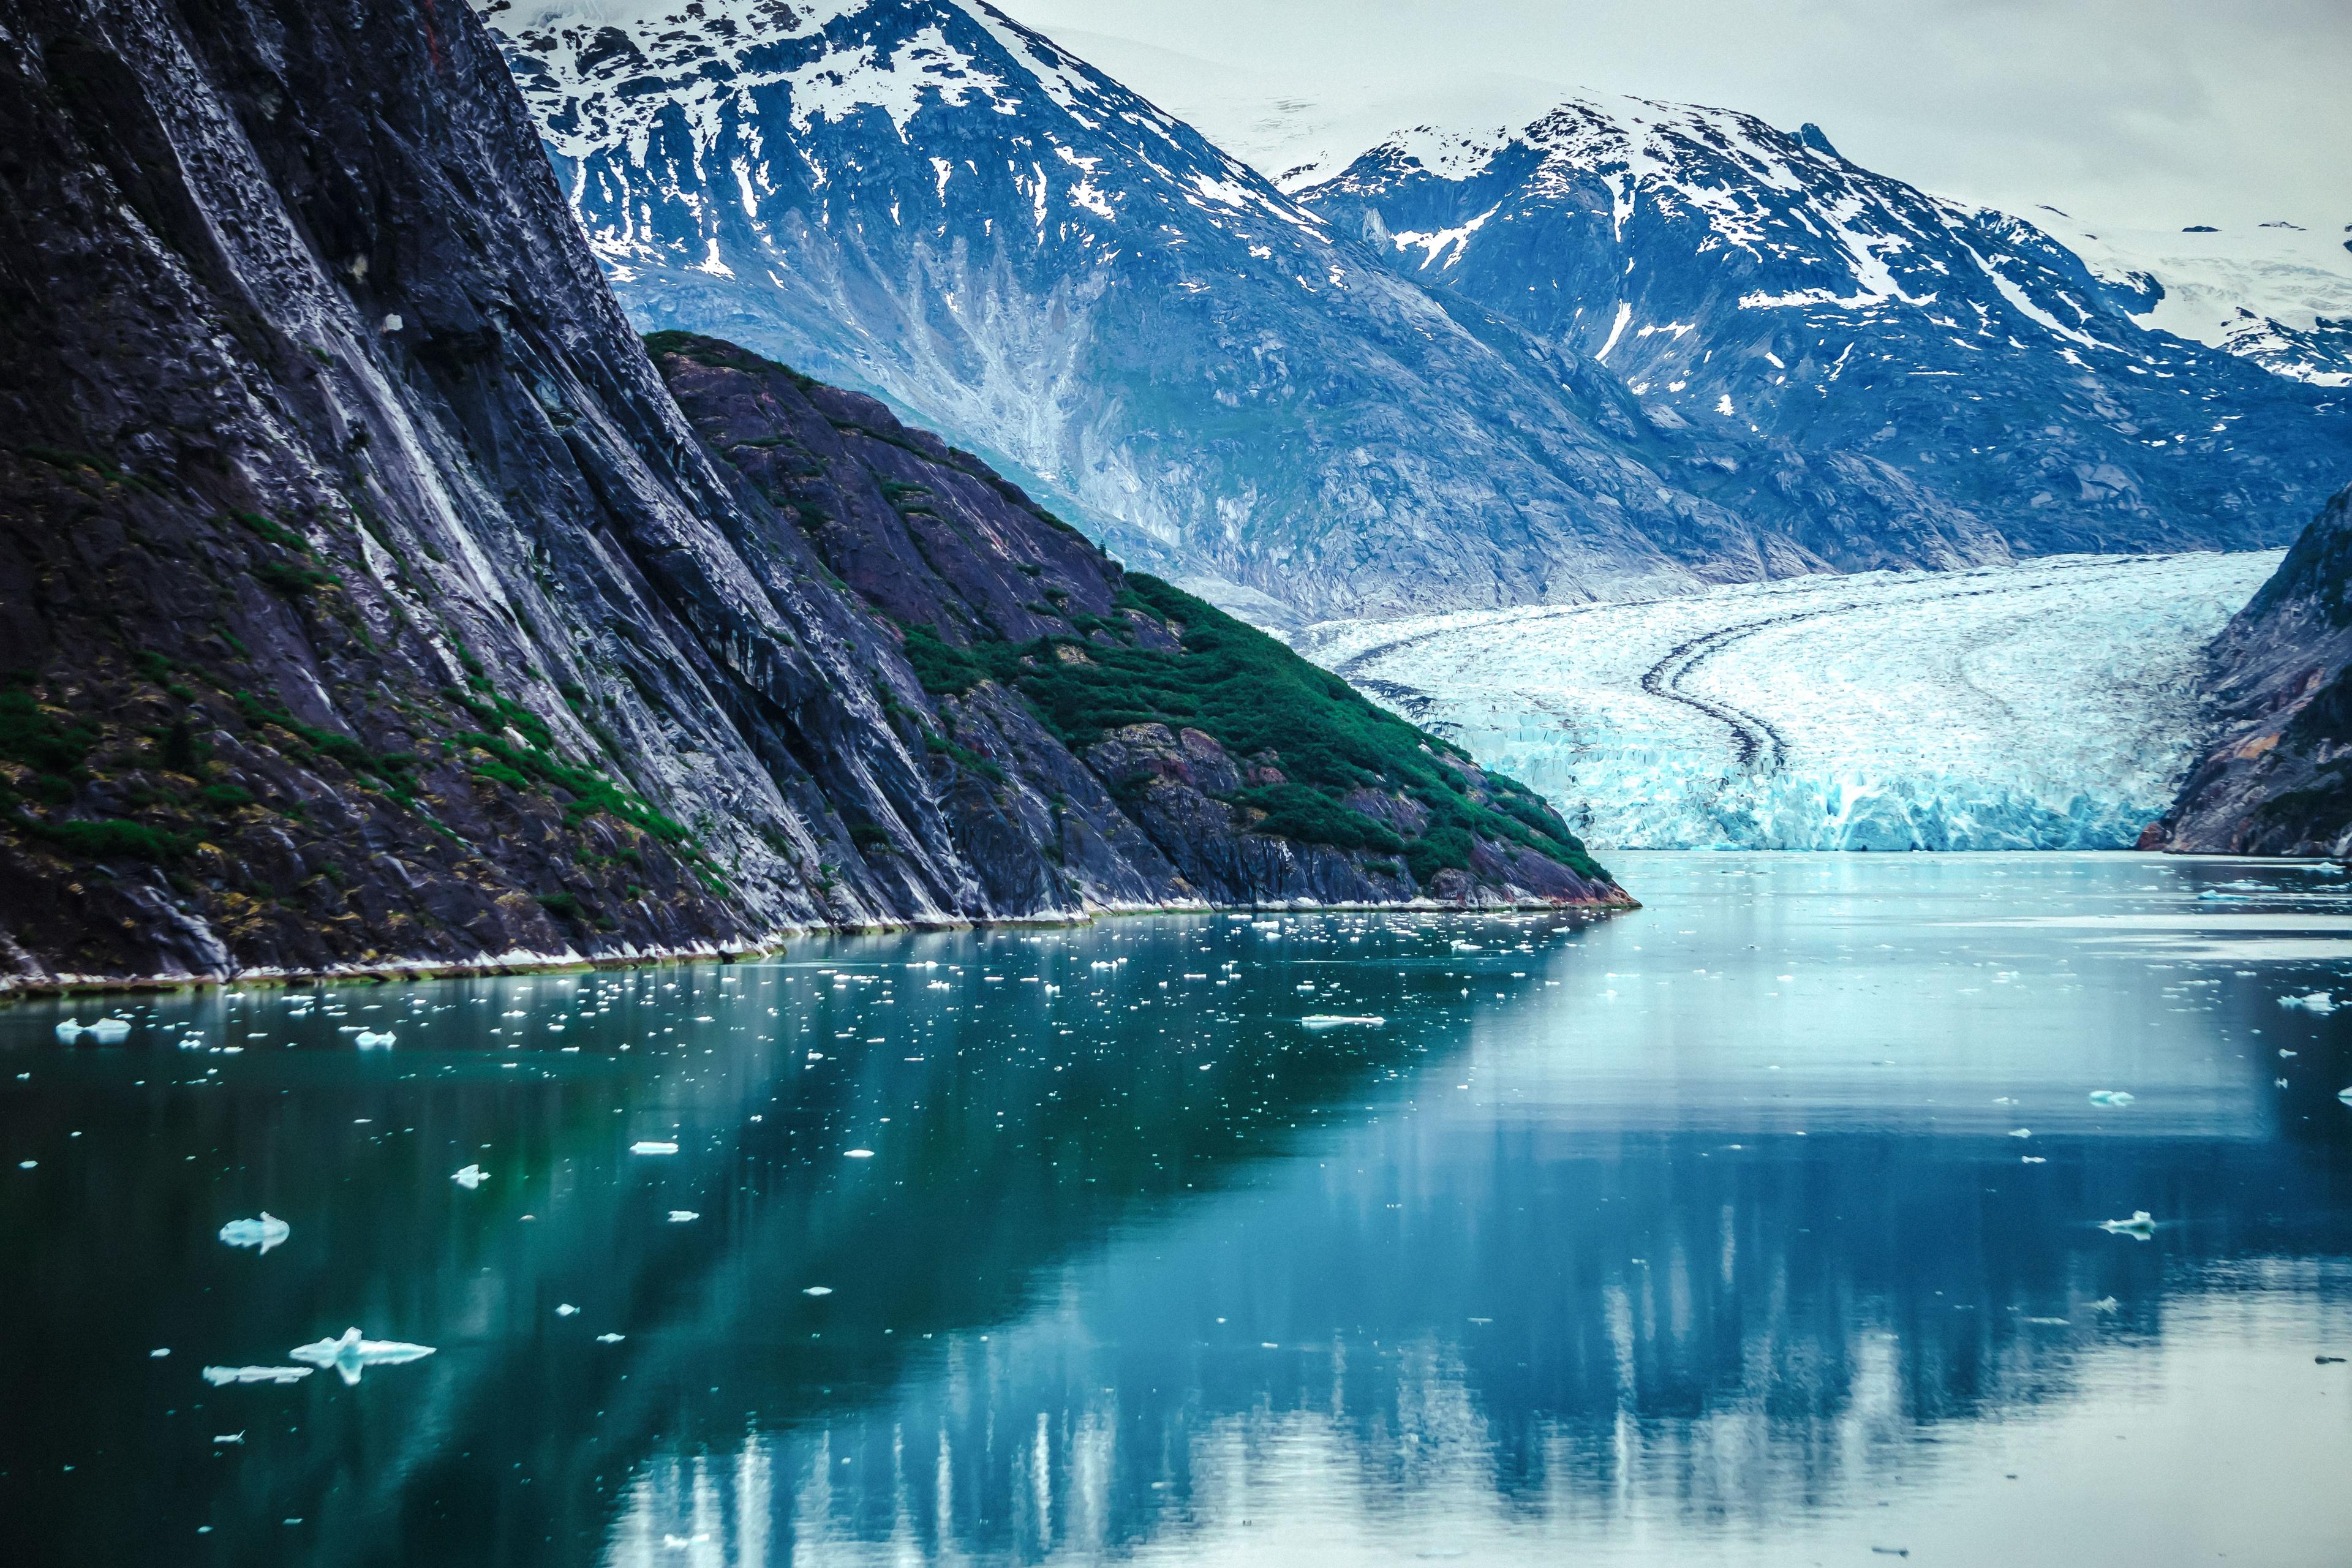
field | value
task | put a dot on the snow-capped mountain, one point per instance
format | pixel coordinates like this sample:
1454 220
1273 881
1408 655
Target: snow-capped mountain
925 199
2279 293
1738 277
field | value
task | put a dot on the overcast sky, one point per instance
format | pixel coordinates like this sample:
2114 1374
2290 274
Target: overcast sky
2152 113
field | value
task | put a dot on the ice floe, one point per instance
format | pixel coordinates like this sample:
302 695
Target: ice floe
265 1232
2315 1001
351 1354
2110 1097
469 1178
652 1146
221 1376
1342 1021
2141 1225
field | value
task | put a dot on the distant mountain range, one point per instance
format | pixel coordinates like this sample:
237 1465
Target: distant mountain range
1618 347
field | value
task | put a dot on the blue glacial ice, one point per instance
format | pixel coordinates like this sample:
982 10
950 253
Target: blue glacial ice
2046 706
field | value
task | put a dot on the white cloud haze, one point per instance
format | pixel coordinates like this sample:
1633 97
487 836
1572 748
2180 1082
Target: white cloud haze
2154 113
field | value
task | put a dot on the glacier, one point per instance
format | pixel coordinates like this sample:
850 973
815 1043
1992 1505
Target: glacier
2052 705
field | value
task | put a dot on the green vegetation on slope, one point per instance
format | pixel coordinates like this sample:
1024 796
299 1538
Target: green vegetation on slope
1255 696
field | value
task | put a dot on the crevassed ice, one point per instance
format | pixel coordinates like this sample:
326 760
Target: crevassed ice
2047 706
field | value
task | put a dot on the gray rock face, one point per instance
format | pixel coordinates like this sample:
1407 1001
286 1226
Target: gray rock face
367 600
1408 389
2278 779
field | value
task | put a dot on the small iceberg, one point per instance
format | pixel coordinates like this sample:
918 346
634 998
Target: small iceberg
469 1178
228 1438
610 1339
106 1031
2344 1094
857 1154
69 1031
566 1309
683 1217
818 1290
2317 1002
265 1232
367 1040
1342 1021
2141 1225
652 1146
2110 1097
2020 1132
352 1354
221 1376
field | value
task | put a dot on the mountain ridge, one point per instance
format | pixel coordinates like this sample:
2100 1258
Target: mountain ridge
1244 389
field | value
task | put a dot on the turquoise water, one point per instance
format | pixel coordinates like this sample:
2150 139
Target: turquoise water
1762 1226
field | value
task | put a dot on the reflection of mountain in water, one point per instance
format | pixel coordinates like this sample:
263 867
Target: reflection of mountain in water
1641 1302
1580 1331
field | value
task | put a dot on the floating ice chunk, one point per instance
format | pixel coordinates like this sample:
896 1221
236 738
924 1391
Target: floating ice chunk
228 1438
857 1154
351 1354
2110 1097
2344 1094
683 1217
265 1232
2141 1225
652 1146
2031 1160
221 1376
2106 1304
818 1290
368 1040
72 1029
159 1353
1342 1021
2020 1132
610 1339
110 1031
2317 1002
469 1178
566 1309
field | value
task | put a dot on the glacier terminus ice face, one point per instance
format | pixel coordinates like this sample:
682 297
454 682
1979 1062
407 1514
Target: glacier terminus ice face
2050 706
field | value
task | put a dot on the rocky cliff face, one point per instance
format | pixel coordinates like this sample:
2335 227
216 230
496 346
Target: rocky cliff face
1598 358
366 599
2278 779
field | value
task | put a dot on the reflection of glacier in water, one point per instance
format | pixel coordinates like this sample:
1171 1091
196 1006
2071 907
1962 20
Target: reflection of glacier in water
2050 706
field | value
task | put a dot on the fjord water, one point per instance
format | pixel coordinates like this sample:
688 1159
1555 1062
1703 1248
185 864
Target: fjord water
1761 1226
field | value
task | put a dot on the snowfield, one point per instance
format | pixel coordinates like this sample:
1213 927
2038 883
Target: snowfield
2048 706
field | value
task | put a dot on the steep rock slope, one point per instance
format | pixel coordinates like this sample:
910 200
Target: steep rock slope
1749 282
365 598
1097 731
2277 778
921 198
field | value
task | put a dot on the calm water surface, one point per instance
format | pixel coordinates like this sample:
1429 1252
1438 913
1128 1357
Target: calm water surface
1760 1227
